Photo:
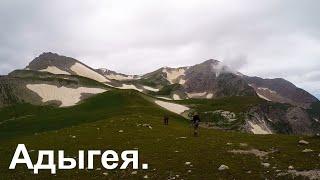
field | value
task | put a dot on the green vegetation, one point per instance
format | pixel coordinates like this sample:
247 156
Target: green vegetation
234 104
95 124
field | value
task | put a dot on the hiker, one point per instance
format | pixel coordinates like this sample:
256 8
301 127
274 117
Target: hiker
166 120
195 122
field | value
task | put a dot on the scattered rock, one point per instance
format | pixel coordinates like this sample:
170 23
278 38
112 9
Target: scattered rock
256 152
98 169
266 165
120 131
73 137
307 150
146 177
243 144
278 170
229 144
134 172
187 163
248 172
189 171
290 167
147 125
303 142
106 174
176 151
223 167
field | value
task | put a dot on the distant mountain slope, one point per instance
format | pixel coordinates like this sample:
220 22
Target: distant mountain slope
42 88
116 76
281 90
56 64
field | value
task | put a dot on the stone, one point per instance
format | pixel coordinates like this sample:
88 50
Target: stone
303 142
223 167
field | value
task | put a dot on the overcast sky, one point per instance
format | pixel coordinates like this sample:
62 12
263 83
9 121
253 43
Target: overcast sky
267 38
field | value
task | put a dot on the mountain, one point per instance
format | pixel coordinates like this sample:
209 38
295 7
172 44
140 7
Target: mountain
281 90
56 64
42 88
224 98
116 76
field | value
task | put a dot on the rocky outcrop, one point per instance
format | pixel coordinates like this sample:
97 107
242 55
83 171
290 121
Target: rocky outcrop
280 118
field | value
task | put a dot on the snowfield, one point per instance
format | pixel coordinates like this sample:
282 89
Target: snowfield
263 97
196 95
67 96
84 71
54 70
176 97
130 86
150 88
176 108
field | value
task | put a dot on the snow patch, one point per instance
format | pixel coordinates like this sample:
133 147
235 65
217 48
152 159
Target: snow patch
166 98
150 88
259 128
84 71
196 95
176 97
67 96
266 89
209 96
263 97
182 81
176 108
174 74
130 86
54 70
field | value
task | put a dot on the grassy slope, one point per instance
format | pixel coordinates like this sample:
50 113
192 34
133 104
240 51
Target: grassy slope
96 124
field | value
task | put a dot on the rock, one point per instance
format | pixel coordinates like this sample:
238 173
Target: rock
278 170
187 163
319 155
120 131
189 171
106 174
307 150
223 167
229 144
266 165
134 172
243 144
303 142
73 137
290 167
249 172
176 151
98 169
146 177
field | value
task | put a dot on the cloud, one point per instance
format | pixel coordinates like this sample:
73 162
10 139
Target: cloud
268 38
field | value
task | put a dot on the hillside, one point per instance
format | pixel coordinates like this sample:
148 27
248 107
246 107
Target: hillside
121 119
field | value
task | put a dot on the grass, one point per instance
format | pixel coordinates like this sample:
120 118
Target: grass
96 124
